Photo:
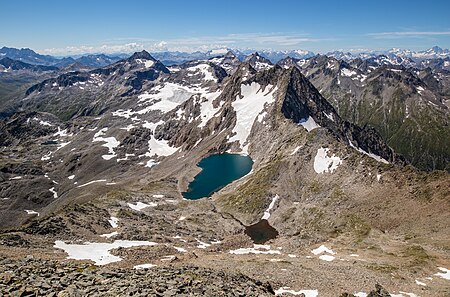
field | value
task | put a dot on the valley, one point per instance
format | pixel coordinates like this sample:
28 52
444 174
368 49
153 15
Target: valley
320 192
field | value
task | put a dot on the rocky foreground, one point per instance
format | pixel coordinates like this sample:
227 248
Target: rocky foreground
34 277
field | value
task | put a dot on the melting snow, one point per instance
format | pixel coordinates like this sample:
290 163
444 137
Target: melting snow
15 178
309 124
179 249
420 90
207 110
55 194
266 215
401 294
150 163
327 258
144 266
205 69
287 290
110 143
376 157
98 252
420 283
248 108
61 145
256 249
114 222
168 95
295 150
360 294
139 205
202 245
109 235
62 133
445 274
160 147
31 212
71 177
329 116
347 72
147 63
323 163
46 157
322 249
91 182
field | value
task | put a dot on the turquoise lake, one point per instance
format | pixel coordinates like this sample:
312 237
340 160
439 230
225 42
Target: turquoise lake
217 172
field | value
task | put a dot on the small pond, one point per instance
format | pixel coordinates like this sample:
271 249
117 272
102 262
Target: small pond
261 232
217 172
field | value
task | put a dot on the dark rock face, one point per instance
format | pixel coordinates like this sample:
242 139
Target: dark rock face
379 292
302 100
19 128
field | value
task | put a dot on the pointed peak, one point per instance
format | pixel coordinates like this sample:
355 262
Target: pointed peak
230 54
142 55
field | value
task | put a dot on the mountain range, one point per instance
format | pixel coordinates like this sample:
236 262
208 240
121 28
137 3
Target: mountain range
350 172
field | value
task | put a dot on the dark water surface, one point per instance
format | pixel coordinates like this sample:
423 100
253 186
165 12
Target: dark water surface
217 172
261 232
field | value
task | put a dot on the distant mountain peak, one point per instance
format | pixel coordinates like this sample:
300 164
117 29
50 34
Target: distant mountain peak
142 55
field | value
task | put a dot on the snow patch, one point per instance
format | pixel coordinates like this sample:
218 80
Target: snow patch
323 163
140 205
248 108
114 222
92 182
287 290
179 249
160 147
266 215
347 72
204 69
329 116
110 143
256 249
420 283
31 212
445 274
109 235
327 258
309 124
420 90
322 249
144 266
295 150
373 156
98 252
55 194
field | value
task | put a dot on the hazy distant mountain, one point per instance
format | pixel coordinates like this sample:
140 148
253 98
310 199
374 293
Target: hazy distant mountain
9 64
29 56
432 53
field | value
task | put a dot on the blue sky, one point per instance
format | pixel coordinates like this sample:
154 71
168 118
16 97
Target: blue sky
75 27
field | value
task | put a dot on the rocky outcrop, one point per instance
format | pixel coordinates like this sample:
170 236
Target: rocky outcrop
35 277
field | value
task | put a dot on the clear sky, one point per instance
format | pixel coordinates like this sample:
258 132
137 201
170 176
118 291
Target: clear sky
81 26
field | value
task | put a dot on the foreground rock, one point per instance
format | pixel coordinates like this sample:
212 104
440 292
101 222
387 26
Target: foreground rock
34 277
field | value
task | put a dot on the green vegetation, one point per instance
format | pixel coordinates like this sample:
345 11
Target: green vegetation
383 268
416 254
251 197
356 226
